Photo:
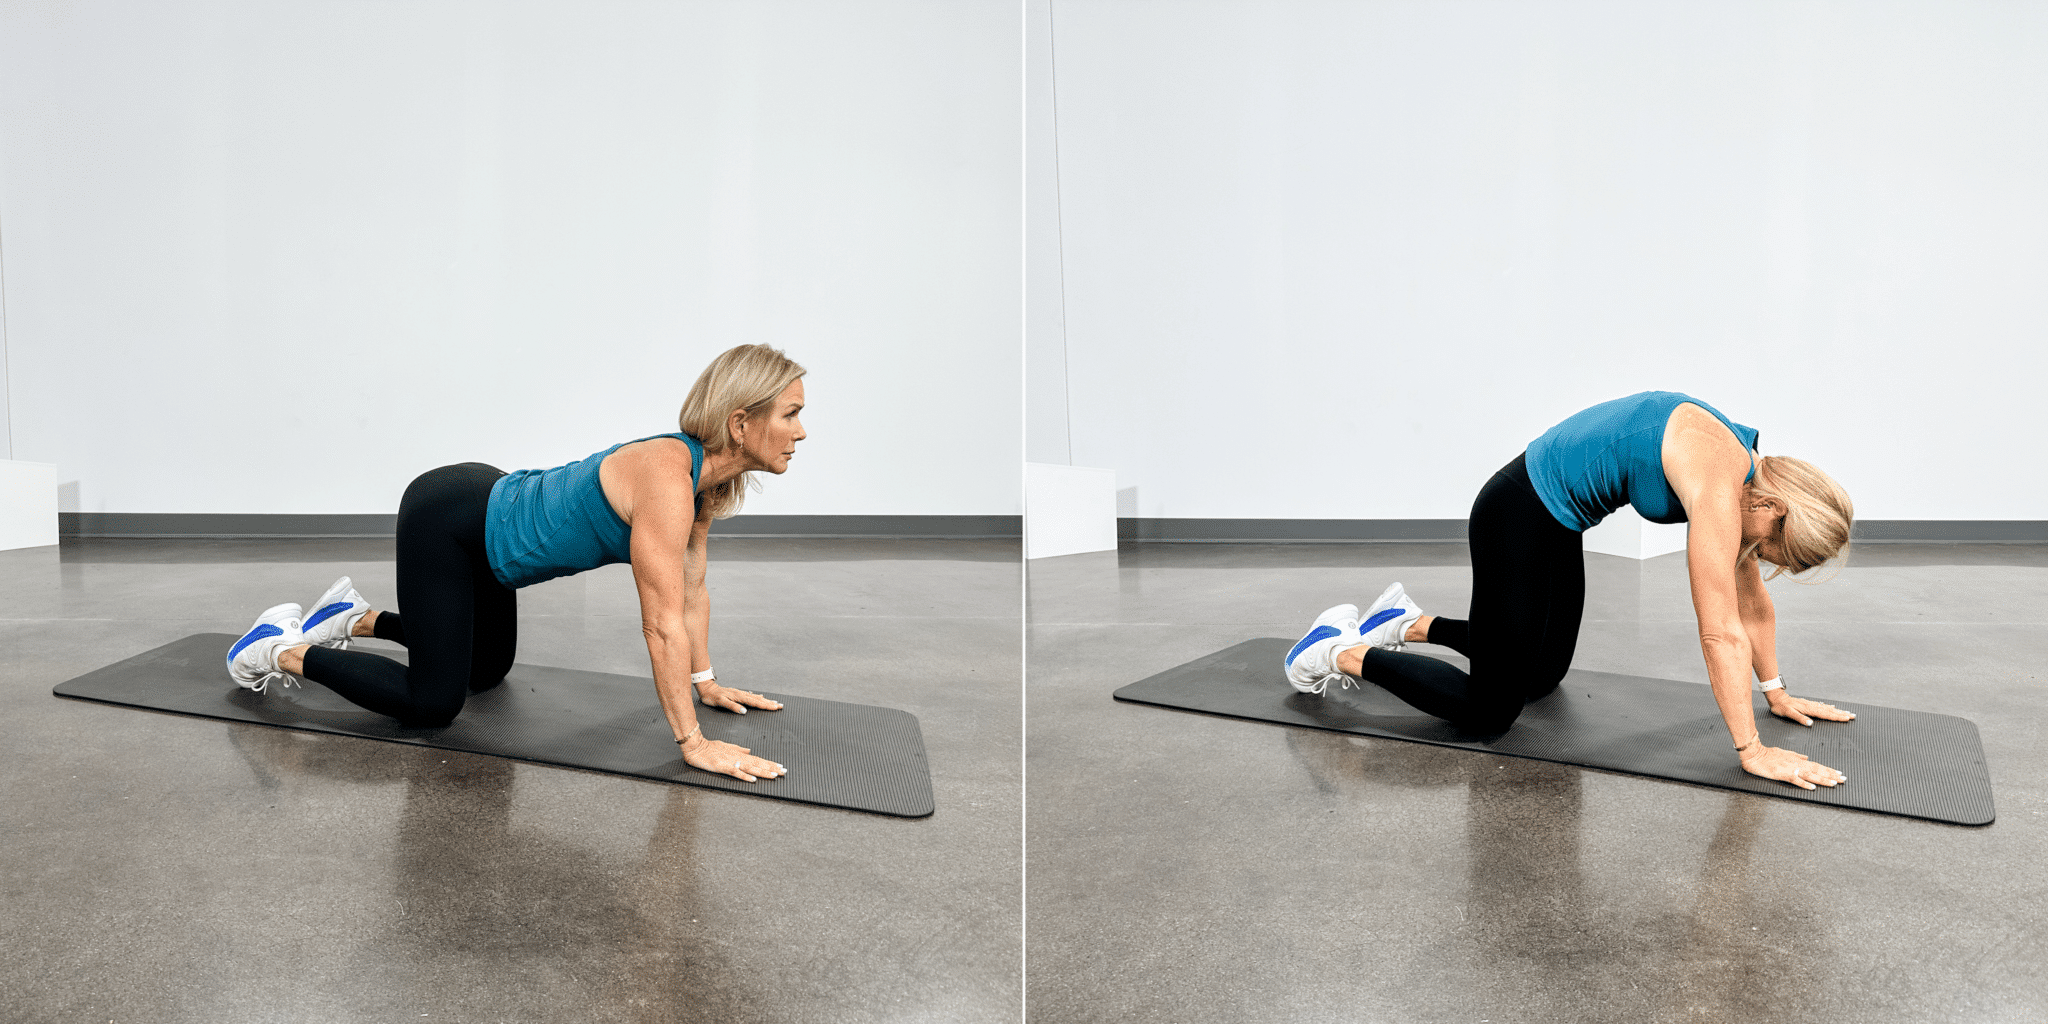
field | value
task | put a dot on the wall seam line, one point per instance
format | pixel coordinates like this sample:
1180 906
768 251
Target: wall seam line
1059 210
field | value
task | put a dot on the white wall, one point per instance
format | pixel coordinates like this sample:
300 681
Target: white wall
1345 259
273 257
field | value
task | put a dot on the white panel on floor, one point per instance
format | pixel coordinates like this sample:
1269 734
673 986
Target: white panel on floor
1068 510
1628 534
28 504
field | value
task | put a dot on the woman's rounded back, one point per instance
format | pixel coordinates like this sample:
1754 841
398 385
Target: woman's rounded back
745 378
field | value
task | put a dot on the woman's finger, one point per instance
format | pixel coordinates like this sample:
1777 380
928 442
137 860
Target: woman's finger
1825 775
756 700
1792 712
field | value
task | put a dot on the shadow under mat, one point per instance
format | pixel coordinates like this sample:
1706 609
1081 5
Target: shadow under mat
1909 763
850 756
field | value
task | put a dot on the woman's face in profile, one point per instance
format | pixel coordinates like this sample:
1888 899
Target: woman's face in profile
771 436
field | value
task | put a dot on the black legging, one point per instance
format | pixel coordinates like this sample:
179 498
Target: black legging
1528 593
460 624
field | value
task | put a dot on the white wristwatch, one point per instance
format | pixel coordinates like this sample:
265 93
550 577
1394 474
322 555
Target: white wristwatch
703 677
1773 683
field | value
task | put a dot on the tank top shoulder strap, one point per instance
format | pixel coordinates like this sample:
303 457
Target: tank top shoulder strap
697 456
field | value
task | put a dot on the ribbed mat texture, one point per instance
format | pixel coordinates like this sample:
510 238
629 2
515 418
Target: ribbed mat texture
839 755
1898 762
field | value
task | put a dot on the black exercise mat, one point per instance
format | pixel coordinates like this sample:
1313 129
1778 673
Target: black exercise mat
1898 762
839 755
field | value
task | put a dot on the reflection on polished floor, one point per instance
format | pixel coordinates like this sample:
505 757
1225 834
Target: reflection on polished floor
1198 869
162 868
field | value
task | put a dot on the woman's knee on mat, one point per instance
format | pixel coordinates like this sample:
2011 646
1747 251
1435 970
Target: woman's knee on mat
1542 683
434 710
489 669
1490 716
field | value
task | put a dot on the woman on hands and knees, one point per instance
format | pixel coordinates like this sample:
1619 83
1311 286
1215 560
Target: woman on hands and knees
1676 460
470 535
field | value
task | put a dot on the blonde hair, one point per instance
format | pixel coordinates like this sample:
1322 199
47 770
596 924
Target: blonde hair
745 378
1818 513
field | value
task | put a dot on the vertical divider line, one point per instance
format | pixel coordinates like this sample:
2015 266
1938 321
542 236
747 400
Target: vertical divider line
1059 209
6 377
1024 24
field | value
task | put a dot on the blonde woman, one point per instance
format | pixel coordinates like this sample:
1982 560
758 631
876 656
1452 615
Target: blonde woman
1676 460
470 535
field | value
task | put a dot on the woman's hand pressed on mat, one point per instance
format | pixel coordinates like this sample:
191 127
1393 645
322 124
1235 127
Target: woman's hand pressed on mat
722 758
1803 711
1787 766
712 695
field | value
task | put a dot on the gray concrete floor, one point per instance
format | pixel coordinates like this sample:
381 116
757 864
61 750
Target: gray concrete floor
161 868
1193 869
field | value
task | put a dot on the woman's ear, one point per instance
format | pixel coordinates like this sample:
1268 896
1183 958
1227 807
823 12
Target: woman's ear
736 427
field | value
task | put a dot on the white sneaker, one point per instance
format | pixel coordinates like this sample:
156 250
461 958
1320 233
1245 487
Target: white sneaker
335 615
1312 663
1385 623
252 661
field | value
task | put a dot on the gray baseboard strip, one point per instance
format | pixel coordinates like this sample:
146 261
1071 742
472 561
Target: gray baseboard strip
1342 531
942 527
212 525
216 525
1288 531
1959 531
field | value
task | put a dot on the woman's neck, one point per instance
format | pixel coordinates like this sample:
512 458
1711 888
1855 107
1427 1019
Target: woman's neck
720 467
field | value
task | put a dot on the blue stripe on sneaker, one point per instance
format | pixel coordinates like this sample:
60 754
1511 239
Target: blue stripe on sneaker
325 613
1379 618
1316 635
260 632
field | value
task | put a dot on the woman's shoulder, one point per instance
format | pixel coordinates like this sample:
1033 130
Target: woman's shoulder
659 452
1698 446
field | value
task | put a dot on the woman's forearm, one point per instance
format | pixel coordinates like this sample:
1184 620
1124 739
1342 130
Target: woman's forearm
1728 667
1763 644
670 656
697 613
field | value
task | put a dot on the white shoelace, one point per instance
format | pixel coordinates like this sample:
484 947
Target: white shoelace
287 677
1323 684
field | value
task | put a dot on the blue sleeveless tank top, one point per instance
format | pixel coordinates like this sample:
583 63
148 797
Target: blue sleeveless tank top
544 523
1613 455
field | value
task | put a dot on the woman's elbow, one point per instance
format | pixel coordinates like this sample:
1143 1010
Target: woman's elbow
1731 639
663 634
